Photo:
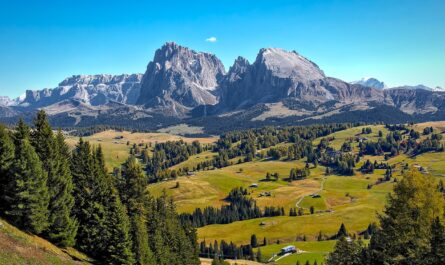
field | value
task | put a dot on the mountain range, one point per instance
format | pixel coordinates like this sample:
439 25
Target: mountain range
181 85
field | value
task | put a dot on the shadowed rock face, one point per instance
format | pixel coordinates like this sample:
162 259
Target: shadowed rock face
179 78
93 90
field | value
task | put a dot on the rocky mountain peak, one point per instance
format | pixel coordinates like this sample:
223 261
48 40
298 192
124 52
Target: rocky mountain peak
371 82
94 80
89 89
238 68
286 64
180 78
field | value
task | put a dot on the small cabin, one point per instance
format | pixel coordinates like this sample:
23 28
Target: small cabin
288 249
254 185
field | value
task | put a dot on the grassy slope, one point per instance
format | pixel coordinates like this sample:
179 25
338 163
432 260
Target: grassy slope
313 251
352 203
19 248
116 150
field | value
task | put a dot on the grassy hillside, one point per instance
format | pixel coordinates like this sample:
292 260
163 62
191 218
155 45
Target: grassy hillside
343 199
19 248
116 150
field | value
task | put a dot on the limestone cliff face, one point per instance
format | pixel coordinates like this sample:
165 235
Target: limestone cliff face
92 90
179 79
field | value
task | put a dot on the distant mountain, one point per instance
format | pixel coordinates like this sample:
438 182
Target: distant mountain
92 90
181 85
371 82
436 89
5 101
179 79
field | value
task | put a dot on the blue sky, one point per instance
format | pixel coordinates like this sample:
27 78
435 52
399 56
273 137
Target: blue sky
397 41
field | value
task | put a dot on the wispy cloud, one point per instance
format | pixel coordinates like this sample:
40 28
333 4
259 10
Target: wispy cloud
211 39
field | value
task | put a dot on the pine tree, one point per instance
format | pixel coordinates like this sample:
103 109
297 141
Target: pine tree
6 160
253 241
342 231
437 253
28 193
91 194
135 197
141 246
347 253
62 228
118 250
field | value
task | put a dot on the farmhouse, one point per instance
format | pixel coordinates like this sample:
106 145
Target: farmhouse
288 249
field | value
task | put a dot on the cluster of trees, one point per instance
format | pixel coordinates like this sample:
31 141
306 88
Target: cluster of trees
272 176
166 155
299 173
394 144
302 148
245 143
270 211
368 167
240 207
71 200
340 163
223 250
428 130
411 231
366 130
432 144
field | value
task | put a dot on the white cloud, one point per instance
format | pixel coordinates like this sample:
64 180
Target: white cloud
211 39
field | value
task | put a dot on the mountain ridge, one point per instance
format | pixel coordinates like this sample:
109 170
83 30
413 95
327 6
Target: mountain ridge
184 85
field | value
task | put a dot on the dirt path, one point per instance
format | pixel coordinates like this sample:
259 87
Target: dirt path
297 204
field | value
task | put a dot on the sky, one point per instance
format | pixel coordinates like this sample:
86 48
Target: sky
397 41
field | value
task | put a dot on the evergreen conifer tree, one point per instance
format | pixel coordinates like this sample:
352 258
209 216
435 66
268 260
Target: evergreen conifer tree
437 242
6 160
27 195
62 228
118 250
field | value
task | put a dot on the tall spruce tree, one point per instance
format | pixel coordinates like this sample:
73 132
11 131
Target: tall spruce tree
118 250
90 209
62 224
437 242
346 253
6 160
133 193
103 221
54 154
27 194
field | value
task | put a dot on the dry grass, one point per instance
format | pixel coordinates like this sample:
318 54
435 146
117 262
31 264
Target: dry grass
115 146
17 247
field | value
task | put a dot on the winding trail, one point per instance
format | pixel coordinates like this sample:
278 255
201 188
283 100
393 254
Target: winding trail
297 204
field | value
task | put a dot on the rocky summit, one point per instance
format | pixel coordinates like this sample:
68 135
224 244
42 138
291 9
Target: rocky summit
179 79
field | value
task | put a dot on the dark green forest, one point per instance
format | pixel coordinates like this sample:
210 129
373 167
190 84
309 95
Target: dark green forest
69 199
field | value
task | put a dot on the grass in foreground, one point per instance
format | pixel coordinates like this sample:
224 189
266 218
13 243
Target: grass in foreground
18 248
